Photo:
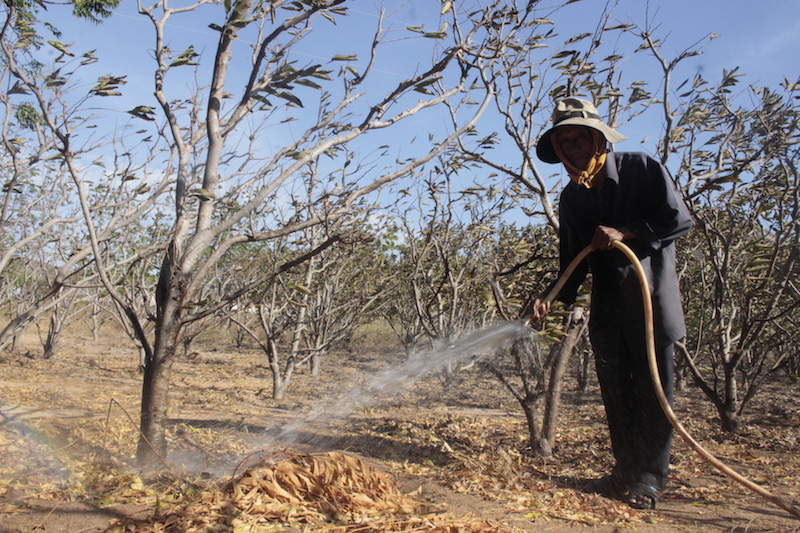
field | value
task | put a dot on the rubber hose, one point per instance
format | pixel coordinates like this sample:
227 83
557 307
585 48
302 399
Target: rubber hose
656 378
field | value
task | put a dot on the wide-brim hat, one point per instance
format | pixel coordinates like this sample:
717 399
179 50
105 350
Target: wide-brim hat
573 112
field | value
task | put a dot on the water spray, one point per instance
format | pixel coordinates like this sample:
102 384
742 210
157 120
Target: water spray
396 378
656 378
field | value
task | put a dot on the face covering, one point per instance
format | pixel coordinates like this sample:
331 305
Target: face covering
585 176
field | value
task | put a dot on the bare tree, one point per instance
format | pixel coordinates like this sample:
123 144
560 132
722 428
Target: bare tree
447 253
226 190
36 212
274 315
740 164
314 304
350 288
539 370
49 157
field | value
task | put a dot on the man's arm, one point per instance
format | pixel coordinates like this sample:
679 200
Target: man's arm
668 218
604 237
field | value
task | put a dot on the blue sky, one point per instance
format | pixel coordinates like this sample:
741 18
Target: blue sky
761 39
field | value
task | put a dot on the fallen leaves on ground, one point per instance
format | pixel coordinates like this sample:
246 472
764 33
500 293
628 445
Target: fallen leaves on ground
73 444
488 460
334 492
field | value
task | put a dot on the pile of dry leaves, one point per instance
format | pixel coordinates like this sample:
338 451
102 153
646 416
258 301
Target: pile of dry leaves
334 492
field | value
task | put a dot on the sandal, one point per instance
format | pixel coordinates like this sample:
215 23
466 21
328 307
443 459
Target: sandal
610 486
642 496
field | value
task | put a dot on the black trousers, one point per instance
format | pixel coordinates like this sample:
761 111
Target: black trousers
641 435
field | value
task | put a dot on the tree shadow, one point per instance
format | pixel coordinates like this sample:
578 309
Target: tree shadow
266 442
89 517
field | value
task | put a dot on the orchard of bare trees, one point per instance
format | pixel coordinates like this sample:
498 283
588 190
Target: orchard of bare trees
275 180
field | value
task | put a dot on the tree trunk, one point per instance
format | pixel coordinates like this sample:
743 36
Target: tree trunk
12 333
53 334
279 385
142 358
729 419
728 411
155 386
95 316
316 364
540 447
280 380
552 405
528 397
155 395
585 364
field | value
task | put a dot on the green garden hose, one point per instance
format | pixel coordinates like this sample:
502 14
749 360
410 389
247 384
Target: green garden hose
651 359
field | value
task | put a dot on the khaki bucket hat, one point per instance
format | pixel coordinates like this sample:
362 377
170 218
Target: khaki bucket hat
573 112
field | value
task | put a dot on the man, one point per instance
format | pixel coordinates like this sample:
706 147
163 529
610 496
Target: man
625 197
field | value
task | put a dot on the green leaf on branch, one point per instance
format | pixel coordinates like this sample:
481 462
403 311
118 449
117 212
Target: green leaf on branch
241 23
321 74
54 79
186 58
425 83
108 85
203 194
92 10
142 111
296 155
577 38
301 288
18 88
61 47
90 58
441 34
308 83
282 94
289 97
565 53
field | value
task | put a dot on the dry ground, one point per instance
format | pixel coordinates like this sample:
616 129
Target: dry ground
68 434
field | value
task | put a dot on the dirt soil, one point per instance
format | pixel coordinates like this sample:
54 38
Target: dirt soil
68 434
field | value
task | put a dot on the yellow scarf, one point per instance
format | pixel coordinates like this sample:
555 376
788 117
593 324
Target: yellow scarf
585 176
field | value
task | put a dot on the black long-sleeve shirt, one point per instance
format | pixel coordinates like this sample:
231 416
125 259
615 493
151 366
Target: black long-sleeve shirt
638 194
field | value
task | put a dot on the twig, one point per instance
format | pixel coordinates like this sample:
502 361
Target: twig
139 430
40 525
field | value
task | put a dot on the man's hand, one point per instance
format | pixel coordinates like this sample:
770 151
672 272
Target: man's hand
604 237
536 310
